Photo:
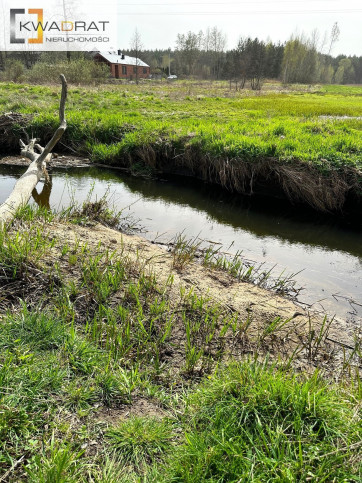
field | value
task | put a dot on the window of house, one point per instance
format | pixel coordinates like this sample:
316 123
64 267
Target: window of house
135 70
124 69
145 70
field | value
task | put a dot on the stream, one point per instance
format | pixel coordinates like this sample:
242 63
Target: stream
325 254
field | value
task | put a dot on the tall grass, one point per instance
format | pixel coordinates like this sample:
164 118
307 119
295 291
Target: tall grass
252 423
107 374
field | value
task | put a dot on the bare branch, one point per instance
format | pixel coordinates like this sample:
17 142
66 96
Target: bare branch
28 149
39 148
63 123
334 36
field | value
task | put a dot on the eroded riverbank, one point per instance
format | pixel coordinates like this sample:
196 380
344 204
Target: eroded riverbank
325 255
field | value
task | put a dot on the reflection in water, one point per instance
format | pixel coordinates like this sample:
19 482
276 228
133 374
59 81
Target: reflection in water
259 216
43 198
330 254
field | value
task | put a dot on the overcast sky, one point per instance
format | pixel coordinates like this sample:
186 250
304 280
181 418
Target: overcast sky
159 21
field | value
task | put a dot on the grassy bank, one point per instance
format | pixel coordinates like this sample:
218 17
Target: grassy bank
305 143
112 371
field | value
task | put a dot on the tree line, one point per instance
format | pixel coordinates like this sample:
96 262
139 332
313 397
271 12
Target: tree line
301 59
204 55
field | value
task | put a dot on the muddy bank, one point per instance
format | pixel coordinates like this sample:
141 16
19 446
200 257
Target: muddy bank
258 306
338 195
337 192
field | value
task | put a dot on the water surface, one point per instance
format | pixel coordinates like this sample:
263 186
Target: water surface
328 255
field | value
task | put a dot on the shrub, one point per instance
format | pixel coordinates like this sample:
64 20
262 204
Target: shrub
78 71
14 71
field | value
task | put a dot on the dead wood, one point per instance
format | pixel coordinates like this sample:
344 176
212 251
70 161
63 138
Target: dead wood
38 156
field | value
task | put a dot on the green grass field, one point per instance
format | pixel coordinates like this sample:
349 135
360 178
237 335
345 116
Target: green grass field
111 123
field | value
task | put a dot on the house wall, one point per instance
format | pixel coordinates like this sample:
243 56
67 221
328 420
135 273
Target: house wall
120 71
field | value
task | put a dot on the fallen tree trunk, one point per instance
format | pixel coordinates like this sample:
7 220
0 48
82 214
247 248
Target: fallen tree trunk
38 156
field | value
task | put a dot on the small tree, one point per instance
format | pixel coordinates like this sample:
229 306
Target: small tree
345 72
188 51
299 61
334 37
214 42
136 47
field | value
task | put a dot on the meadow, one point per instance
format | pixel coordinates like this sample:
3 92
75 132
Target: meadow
112 372
107 376
305 140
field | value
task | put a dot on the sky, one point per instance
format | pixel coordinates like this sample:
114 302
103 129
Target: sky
159 21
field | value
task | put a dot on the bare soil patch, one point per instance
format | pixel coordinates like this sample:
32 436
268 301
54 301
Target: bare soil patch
253 303
139 408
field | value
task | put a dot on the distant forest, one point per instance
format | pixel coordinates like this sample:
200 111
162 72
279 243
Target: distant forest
204 55
301 59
